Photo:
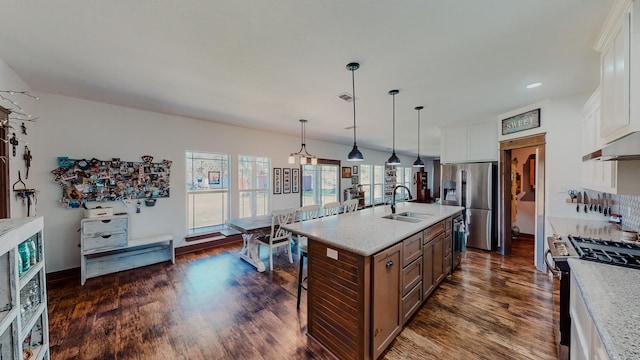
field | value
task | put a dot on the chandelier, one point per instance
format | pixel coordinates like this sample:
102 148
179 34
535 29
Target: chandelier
302 153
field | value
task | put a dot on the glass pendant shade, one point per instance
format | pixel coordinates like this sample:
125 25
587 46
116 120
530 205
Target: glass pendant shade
418 162
394 159
355 154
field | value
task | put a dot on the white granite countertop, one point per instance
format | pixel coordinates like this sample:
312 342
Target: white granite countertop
597 229
365 232
611 294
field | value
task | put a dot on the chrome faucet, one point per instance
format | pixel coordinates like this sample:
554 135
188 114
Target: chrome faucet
393 197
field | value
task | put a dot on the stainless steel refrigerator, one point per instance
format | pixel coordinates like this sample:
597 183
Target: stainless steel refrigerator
474 186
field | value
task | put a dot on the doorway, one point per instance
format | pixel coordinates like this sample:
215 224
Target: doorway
512 185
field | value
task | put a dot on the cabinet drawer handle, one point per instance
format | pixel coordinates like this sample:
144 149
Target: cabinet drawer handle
106 236
389 264
106 221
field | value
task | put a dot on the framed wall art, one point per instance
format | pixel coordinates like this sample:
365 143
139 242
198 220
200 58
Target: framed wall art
346 172
286 180
521 122
277 180
295 180
354 170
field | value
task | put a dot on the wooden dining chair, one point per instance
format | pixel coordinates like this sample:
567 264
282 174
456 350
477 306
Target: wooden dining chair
351 205
331 208
307 212
278 237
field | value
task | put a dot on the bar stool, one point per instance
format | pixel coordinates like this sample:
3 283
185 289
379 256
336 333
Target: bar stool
303 246
306 213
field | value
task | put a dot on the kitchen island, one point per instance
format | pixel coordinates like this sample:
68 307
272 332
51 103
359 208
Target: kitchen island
367 275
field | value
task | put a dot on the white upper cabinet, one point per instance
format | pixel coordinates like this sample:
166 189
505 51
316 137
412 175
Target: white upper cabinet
473 143
619 45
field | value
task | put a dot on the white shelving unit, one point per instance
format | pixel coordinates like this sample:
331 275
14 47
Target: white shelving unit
24 325
106 248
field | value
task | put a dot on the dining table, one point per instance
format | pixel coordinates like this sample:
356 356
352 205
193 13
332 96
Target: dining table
251 228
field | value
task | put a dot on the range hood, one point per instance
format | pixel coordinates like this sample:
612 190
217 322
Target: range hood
625 148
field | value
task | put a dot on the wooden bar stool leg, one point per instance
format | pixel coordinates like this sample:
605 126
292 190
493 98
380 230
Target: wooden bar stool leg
303 254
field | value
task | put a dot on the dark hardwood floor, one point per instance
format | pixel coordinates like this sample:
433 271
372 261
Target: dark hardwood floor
212 305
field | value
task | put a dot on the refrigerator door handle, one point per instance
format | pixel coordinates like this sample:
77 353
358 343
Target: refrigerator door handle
489 188
488 231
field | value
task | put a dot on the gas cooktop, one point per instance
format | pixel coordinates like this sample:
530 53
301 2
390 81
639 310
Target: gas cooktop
608 252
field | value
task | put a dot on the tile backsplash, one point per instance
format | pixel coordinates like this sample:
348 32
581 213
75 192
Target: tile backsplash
629 208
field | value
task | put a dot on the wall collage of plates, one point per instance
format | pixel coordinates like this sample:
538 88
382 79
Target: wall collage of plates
85 180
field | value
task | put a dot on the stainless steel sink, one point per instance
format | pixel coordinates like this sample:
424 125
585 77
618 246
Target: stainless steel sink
415 215
400 217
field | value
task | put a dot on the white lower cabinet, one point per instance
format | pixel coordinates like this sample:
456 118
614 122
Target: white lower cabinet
585 340
24 325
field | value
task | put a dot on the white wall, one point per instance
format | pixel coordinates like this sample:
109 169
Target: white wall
560 120
84 129
9 80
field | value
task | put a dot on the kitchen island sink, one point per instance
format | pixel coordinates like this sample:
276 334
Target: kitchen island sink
401 217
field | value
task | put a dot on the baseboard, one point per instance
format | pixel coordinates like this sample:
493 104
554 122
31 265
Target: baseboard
73 273
208 245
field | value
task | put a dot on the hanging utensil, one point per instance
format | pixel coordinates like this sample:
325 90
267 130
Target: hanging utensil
599 206
606 203
586 200
579 202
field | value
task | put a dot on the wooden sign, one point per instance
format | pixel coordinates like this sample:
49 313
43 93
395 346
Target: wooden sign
521 122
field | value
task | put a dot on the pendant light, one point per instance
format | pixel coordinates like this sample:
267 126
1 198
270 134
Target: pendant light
302 153
418 163
394 159
355 154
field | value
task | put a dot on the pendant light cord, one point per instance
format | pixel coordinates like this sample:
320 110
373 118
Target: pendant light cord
353 86
394 123
418 133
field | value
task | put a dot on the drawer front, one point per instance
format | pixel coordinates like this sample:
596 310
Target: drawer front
448 244
447 264
411 303
411 249
447 225
411 275
115 240
433 231
107 226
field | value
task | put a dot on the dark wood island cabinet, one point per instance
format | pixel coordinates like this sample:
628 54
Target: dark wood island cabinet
358 303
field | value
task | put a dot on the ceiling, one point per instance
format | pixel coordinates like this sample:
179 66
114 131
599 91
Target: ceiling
267 64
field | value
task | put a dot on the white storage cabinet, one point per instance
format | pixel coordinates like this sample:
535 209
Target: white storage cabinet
473 143
106 248
585 340
24 326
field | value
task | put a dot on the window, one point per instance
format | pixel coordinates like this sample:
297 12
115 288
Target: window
378 184
320 183
372 179
253 185
404 177
365 183
207 183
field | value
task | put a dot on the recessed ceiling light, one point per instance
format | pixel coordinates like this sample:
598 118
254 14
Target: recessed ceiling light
534 85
